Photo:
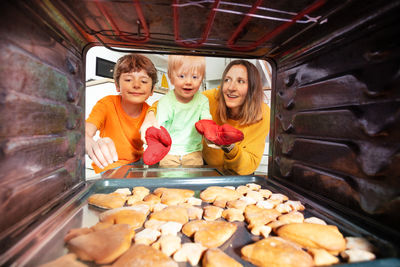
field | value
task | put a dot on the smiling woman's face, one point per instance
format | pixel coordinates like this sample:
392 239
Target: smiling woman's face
234 89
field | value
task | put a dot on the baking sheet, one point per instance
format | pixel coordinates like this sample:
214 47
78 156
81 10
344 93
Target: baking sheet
51 245
145 171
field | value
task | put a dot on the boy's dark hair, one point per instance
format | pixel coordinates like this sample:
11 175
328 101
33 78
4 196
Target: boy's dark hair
136 63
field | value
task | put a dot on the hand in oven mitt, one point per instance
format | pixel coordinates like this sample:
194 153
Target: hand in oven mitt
221 135
159 143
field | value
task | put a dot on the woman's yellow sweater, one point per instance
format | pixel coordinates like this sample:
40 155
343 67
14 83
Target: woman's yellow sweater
246 155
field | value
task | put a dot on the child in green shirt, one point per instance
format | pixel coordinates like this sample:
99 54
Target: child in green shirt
181 108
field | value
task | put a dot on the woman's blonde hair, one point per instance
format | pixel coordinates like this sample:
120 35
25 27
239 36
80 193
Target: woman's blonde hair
189 63
251 110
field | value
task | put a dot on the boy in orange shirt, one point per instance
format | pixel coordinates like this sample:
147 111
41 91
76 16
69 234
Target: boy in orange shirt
119 117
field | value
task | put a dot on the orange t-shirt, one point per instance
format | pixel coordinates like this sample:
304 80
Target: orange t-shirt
112 121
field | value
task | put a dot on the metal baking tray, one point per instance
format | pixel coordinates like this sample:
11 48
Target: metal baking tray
46 242
144 171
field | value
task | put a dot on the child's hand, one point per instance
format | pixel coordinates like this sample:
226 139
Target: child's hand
102 151
159 142
149 121
221 135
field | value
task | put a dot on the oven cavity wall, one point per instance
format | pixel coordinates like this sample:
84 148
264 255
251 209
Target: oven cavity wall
336 123
41 115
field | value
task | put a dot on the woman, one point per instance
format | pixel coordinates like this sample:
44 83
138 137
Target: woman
240 104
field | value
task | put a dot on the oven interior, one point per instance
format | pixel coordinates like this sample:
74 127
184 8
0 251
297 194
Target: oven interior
335 111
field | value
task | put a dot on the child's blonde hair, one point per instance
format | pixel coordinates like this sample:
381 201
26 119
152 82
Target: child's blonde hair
189 63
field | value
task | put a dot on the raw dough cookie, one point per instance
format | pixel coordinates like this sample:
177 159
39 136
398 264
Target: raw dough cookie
210 234
190 252
171 213
275 251
217 193
322 257
102 246
107 201
125 215
232 215
144 256
173 196
211 213
311 235
215 257
168 244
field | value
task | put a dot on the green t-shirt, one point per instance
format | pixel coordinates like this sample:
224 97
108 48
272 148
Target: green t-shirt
179 119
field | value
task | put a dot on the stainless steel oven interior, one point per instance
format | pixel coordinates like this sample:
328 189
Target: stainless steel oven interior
335 107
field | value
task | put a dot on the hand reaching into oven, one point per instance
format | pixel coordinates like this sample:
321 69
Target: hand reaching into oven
219 136
156 138
149 121
101 151
159 143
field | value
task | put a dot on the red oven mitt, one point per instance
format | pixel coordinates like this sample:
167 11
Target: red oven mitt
221 135
159 143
